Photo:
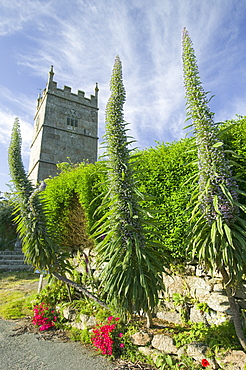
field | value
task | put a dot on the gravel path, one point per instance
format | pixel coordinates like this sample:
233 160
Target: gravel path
29 351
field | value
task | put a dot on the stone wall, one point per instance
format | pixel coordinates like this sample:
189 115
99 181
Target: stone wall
193 295
184 293
153 345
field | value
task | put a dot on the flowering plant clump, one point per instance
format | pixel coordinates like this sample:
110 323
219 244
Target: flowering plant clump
106 337
44 316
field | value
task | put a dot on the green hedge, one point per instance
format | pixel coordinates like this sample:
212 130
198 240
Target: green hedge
8 234
163 171
76 187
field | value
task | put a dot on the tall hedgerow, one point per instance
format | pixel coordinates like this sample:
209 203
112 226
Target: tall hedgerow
163 172
218 236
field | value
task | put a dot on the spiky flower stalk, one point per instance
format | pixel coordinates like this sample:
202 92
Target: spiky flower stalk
132 275
31 221
214 171
17 171
218 236
39 246
120 170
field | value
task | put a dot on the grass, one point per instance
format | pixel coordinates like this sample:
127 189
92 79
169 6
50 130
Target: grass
17 290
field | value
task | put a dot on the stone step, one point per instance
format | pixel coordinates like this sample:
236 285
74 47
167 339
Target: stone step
14 267
11 257
6 251
12 261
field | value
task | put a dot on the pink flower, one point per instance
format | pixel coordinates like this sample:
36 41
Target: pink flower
122 345
103 336
46 326
39 318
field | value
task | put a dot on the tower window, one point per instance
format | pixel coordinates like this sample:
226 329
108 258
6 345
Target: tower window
72 122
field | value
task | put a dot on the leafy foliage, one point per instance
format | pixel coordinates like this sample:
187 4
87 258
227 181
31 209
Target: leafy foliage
233 135
68 198
8 233
54 293
163 172
215 337
167 362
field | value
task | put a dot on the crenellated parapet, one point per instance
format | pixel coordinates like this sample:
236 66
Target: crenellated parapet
66 93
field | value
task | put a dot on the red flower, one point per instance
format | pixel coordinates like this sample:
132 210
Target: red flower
205 363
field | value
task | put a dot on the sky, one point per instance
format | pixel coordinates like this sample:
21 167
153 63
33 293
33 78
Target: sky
81 38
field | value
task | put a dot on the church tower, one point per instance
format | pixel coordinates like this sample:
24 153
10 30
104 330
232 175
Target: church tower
65 126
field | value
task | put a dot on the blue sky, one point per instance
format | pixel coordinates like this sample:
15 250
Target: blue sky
81 39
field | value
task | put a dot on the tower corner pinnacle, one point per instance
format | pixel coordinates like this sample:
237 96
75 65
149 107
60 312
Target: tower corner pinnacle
50 76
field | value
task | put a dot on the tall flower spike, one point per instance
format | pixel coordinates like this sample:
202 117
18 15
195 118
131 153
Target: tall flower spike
217 234
214 171
131 274
120 170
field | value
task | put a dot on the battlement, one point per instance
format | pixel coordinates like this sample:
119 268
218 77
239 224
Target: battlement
66 93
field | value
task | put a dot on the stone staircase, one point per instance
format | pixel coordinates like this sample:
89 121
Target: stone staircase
13 260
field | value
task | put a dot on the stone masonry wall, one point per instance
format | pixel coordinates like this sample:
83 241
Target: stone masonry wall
184 292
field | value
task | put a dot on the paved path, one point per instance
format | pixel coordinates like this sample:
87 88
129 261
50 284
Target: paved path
29 352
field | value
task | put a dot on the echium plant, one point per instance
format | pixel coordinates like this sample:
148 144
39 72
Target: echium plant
37 246
218 236
131 274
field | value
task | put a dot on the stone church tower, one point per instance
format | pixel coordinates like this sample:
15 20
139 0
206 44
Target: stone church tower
65 126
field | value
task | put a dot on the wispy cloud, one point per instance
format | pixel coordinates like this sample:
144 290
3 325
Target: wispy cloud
7 119
15 14
81 39
82 45
13 105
